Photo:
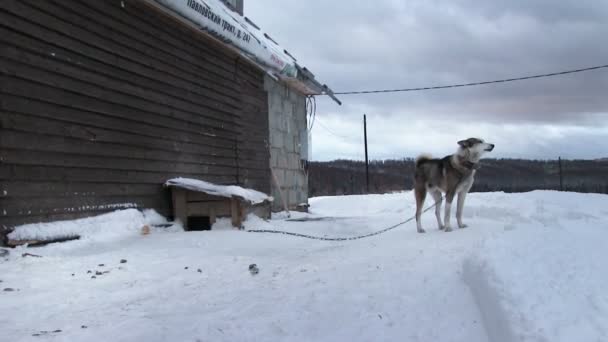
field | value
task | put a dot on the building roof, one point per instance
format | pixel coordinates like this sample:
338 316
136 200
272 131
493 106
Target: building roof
228 191
216 19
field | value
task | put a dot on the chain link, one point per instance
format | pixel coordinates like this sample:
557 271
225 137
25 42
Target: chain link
312 237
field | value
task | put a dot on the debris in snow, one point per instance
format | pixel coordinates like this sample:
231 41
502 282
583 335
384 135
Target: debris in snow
93 277
123 261
145 230
199 271
9 289
186 267
253 269
31 255
101 265
229 191
44 332
89 271
98 273
73 274
40 242
83 327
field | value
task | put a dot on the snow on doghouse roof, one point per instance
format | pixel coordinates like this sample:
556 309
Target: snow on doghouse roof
230 27
229 191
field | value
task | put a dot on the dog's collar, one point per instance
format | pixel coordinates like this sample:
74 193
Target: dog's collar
464 165
470 165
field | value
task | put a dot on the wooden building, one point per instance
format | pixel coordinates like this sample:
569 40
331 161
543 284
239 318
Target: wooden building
102 101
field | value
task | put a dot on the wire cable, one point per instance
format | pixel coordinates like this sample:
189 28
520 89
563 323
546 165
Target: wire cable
473 83
311 110
322 125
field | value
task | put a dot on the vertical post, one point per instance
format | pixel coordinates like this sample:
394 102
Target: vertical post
236 212
366 158
561 183
180 205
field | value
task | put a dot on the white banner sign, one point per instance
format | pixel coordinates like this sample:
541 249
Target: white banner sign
213 16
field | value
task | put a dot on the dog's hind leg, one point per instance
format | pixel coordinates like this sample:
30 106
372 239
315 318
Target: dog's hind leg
459 207
420 193
438 201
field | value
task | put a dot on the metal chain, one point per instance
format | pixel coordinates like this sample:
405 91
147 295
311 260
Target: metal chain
339 238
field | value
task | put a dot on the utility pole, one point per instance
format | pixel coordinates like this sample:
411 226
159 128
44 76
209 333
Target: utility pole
561 183
366 158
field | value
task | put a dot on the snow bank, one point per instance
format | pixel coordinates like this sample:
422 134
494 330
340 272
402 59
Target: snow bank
252 222
104 227
488 297
250 195
542 284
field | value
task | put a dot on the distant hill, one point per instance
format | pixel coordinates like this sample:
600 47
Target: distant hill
340 177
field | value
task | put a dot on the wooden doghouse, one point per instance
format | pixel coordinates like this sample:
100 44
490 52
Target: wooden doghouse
198 204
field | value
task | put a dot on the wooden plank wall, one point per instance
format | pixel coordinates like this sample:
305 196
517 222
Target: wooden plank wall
103 100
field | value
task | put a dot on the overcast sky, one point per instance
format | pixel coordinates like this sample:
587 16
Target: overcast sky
361 45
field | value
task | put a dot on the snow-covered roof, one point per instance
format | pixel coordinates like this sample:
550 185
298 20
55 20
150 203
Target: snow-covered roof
229 191
215 18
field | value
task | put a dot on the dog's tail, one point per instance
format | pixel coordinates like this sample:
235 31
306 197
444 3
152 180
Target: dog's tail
422 158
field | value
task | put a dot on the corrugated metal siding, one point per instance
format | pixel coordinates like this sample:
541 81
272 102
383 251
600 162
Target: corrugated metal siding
101 103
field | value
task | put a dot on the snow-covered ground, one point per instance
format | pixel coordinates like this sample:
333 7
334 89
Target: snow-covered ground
530 267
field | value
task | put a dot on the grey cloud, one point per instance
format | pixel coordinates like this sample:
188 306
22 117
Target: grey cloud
359 45
543 10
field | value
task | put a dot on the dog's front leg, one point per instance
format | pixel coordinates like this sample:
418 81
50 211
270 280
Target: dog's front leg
420 193
449 197
459 207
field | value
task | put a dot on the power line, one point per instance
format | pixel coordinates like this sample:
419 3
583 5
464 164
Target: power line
322 125
471 84
347 139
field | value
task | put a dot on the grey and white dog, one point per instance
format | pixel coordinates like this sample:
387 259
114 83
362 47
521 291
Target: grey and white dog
453 174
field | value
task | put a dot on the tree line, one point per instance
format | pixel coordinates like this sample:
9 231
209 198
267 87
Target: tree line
346 177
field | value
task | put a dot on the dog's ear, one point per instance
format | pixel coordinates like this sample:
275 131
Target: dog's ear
464 143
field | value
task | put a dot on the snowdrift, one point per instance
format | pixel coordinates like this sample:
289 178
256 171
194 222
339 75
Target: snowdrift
542 284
